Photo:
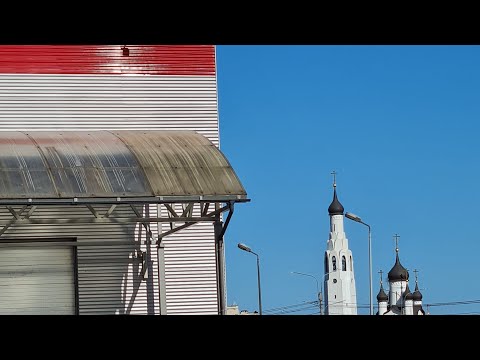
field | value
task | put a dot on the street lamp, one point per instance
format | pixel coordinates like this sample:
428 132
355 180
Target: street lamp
319 294
247 249
359 220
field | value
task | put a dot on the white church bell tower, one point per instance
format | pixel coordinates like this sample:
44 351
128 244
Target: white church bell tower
340 294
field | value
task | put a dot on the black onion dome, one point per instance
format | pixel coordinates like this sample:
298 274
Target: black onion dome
381 295
417 295
335 207
408 294
398 272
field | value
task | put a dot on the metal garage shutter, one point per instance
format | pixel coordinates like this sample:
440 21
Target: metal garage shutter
37 280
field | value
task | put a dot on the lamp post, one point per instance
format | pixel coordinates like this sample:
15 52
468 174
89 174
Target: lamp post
359 220
247 249
319 293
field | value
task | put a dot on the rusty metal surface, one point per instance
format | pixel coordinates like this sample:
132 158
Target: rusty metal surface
56 164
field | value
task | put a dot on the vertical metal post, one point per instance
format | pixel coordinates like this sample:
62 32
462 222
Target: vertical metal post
359 220
148 264
161 279
320 302
220 255
161 268
259 288
370 267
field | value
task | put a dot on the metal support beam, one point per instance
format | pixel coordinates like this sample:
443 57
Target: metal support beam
171 210
135 210
17 216
229 216
220 265
93 211
174 230
147 261
220 257
124 200
187 212
161 278
205 209
110 211
213 216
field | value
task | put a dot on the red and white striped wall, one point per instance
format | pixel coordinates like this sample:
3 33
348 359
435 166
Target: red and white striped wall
97 87
105 87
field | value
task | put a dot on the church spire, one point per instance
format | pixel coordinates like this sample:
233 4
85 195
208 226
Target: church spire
398 272
335 207
340 294
381 294
417 295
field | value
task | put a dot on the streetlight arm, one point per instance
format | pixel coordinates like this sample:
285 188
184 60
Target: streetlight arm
309 275
359 220
248 249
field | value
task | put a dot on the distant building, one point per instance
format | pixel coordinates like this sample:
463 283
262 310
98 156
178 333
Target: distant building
234 310
340 293
400 300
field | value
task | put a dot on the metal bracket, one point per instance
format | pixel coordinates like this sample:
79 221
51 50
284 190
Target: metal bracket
17 215
190 220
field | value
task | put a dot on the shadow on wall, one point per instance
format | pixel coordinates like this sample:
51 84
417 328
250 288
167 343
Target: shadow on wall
112 278
107 278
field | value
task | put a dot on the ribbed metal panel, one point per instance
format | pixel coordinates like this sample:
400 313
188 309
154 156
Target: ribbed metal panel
109 280
81 88
190 268
37 281
108 59
98 102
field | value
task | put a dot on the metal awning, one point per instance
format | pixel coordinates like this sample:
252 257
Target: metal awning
48 167
178 170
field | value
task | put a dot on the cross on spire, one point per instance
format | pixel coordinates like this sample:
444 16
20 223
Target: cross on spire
334 173
396 242
416 276
381 277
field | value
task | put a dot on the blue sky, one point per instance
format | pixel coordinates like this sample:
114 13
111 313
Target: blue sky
399 124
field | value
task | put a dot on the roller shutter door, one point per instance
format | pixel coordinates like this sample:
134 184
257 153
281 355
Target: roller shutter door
37 280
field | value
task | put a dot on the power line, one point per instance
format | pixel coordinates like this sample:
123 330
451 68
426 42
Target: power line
449 303
309 307
287 307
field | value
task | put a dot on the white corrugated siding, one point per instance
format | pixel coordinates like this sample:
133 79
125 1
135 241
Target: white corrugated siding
102 102
109 280
190 268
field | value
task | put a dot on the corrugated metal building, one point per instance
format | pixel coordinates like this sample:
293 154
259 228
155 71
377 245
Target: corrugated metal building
110 201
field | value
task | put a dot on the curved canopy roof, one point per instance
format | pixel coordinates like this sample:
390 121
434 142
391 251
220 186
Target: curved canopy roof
98 164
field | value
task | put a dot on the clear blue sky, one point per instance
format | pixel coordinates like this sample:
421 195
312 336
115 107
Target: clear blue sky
400 125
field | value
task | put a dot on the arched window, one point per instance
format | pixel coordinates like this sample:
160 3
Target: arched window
351 264
326 264
334 263
344 263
